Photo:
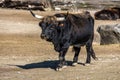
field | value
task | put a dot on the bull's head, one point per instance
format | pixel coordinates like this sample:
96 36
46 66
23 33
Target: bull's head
48 25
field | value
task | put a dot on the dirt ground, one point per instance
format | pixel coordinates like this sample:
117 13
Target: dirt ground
24 56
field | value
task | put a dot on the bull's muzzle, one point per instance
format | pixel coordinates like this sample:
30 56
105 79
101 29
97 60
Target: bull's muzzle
43 36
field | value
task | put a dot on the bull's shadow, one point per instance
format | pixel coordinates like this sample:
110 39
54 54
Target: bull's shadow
45 64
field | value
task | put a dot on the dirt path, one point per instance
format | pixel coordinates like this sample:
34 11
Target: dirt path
24 56
37 61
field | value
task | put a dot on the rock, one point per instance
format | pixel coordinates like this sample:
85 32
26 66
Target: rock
41 5
109 34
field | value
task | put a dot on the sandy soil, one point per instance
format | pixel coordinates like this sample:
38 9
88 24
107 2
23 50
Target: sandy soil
24 56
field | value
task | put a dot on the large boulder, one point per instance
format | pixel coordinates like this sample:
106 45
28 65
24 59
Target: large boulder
109 34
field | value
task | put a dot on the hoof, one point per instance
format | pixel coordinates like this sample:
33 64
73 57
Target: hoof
96 59
58 69
61 68
87 64
74 64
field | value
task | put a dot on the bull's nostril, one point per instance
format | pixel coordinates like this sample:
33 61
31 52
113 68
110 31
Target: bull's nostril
47 37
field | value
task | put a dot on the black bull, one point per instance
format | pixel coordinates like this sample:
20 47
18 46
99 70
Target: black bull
72 29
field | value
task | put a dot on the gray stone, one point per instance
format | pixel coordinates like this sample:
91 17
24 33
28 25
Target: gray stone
109 34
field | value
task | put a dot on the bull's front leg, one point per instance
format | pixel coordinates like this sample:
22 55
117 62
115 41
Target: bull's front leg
62 63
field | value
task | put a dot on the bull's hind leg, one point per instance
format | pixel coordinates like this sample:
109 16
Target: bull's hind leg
88 46
75 59
62 63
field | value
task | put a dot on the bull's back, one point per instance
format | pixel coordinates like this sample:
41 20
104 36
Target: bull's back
83 29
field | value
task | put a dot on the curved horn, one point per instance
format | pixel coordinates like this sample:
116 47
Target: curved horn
34 15
60 18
